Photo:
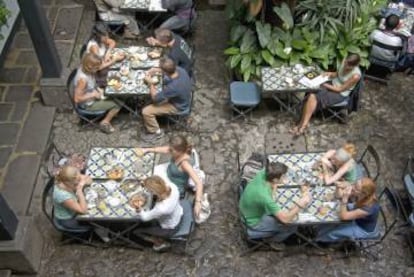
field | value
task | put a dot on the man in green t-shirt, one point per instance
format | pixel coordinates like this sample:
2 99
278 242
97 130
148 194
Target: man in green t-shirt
261 213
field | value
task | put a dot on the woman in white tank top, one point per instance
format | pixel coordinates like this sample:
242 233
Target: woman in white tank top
342 83
88 96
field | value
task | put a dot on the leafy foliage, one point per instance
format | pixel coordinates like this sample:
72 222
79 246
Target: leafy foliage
254 44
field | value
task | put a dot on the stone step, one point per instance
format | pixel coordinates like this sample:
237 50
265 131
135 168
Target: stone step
19 182
36 130
5 273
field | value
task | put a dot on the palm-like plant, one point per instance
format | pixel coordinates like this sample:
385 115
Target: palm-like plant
329 15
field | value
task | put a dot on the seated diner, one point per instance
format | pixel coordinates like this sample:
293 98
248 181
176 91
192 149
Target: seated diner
260 212
88 96
361 215
337 90
180 168
166 214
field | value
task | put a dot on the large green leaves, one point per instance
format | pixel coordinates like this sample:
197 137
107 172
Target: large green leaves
285 15
264 33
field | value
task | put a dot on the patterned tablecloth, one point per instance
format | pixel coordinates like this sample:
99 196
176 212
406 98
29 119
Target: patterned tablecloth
323 208
110 200
301 168
285 78
136 57
102 159
131 83
145 5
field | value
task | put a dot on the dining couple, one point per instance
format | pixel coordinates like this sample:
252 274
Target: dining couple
170 183
358 209
175 67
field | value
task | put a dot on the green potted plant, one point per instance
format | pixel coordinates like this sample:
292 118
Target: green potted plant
4 15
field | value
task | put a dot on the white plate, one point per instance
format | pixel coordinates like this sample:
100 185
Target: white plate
111 185
113 201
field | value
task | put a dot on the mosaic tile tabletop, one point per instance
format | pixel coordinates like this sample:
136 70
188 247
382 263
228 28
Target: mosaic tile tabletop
323 208
285 78
110 199
102 159
145 5
301 168
137 57
131 84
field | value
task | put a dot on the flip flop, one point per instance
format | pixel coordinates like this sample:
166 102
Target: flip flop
294 130
106 128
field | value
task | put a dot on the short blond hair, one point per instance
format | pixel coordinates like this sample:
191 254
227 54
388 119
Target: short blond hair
158 187
91 63
68 175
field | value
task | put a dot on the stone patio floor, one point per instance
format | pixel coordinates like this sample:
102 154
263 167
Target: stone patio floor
385 121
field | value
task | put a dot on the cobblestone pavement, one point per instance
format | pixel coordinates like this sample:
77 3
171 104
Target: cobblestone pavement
385 121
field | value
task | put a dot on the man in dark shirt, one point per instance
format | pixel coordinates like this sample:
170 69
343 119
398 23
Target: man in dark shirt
178 49
184 14
174 97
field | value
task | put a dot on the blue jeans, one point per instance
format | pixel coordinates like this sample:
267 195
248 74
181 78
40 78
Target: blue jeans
270 227
344 232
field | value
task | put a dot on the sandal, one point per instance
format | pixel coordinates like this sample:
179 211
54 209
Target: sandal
293 130
106 128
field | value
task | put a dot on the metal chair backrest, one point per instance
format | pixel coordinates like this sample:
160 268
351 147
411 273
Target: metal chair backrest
390 210
70 87
47 200
370 161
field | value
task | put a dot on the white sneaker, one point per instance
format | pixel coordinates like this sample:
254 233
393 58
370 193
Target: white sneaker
103 234
110 16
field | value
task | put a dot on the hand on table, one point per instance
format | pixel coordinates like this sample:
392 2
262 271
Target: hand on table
119 56
97 94
151 41
305 200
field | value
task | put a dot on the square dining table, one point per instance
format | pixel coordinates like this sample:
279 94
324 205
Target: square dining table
107 199
283 82
131 73
144 6
324 207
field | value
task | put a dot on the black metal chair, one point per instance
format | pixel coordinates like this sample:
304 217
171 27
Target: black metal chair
390 212
69 235
187 225
87 118
408 209
369 164
379 73
181 119
342 110
253 244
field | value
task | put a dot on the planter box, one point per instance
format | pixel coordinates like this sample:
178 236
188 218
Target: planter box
9 29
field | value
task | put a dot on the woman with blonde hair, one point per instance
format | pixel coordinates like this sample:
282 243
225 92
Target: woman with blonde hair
88 96
362 215
341 162
180 169
68 197
167 212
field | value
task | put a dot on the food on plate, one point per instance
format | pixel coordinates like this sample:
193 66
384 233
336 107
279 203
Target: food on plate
141 57
155 54
115 173
137 201
323 210
129 185
329 197
115 82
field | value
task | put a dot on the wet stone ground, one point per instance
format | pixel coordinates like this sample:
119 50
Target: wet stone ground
385 121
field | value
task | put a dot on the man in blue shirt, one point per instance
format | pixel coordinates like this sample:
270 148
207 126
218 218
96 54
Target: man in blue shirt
174 97
177 48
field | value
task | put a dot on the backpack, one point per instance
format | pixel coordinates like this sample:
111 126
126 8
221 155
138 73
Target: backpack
254 164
